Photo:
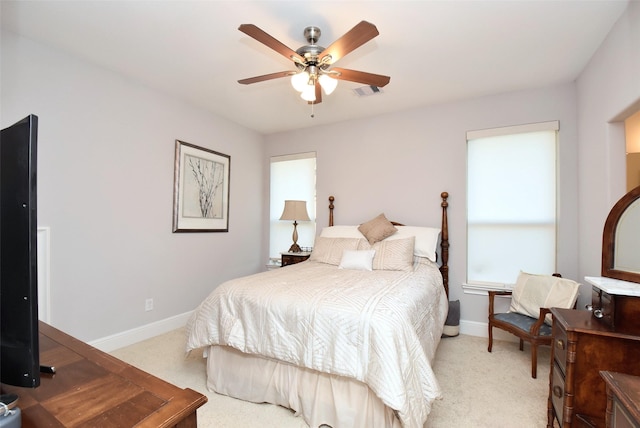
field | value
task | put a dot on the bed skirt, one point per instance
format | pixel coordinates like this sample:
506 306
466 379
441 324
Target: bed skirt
319 398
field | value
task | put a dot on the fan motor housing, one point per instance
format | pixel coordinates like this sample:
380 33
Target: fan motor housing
312 34
312 51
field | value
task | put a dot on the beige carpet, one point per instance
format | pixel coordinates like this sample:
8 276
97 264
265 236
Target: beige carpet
480 389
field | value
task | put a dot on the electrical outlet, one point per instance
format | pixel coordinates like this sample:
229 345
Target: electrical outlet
148 305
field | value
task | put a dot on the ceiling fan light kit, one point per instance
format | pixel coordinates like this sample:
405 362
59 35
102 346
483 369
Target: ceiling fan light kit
308 93
329 84
300 80
314 61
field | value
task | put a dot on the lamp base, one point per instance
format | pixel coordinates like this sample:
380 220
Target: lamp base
295 248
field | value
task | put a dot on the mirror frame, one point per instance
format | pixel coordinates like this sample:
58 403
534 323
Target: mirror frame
609 236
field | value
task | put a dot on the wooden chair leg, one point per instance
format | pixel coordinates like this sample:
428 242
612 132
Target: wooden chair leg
490 337
521 344
534 360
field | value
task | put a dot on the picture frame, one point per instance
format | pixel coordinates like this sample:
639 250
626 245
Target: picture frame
200 189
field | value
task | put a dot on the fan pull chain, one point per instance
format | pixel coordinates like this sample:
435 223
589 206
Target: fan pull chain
312 113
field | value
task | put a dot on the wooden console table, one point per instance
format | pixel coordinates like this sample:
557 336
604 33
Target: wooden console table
623 400
94 389
583 346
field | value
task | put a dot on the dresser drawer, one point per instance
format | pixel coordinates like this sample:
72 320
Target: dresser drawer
617 312
560 347
604 304
557 393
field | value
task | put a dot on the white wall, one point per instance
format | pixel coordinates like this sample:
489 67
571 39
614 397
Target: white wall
105 188
608 92
106 173
400 163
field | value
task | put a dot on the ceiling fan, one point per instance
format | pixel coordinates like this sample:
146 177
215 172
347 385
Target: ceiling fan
314 62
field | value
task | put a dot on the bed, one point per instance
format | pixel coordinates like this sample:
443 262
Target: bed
346 338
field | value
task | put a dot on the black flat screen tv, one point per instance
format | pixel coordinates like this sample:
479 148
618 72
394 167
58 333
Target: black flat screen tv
19 346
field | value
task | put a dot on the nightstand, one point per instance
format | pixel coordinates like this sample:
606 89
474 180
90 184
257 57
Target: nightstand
293 258
273 263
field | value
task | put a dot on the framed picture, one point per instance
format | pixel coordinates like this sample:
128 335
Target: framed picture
200 189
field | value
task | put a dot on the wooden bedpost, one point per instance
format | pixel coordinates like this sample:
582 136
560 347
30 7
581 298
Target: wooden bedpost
444 242
331 199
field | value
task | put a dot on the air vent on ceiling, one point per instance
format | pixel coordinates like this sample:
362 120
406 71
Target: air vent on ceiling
364 91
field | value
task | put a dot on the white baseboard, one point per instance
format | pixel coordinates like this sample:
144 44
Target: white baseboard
129 337
481 329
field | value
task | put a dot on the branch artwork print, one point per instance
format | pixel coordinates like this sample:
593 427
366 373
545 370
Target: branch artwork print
204 180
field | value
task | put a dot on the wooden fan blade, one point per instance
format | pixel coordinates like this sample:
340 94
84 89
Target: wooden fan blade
360 77
269 41
354 38
264 77
318 94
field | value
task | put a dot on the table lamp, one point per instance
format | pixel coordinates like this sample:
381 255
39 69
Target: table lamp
295 210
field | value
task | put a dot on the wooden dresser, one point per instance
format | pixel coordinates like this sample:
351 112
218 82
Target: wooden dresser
623 400
582 347
94 389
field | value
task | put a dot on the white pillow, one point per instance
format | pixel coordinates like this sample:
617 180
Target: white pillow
532 292
426 243
357 260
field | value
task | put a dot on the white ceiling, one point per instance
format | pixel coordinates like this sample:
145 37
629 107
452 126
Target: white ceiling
434 51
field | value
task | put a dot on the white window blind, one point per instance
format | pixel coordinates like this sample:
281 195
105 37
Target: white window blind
511 206
293 177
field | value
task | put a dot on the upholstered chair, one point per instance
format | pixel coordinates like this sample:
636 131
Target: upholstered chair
529 316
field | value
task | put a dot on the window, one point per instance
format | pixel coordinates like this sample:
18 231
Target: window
511 206
292 177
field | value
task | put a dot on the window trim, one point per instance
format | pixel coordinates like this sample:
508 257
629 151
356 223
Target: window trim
553 125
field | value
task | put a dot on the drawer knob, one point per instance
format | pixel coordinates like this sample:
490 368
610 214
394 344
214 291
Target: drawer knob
560 344
557 391
598 313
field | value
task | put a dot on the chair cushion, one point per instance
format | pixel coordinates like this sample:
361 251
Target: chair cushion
532 292
523 322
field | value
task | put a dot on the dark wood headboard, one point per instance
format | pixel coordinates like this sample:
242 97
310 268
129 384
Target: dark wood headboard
444 237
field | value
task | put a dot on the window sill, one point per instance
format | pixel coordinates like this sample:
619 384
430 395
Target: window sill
483 289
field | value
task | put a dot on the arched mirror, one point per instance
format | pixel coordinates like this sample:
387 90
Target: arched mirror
621 239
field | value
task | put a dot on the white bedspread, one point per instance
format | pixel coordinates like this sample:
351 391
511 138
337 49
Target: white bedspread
381 328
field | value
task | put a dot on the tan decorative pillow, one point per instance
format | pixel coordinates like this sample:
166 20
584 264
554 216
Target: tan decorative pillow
341 232
532 292
395 254
329 250
377 229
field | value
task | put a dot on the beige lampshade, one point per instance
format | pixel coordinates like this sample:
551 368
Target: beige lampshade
295 210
